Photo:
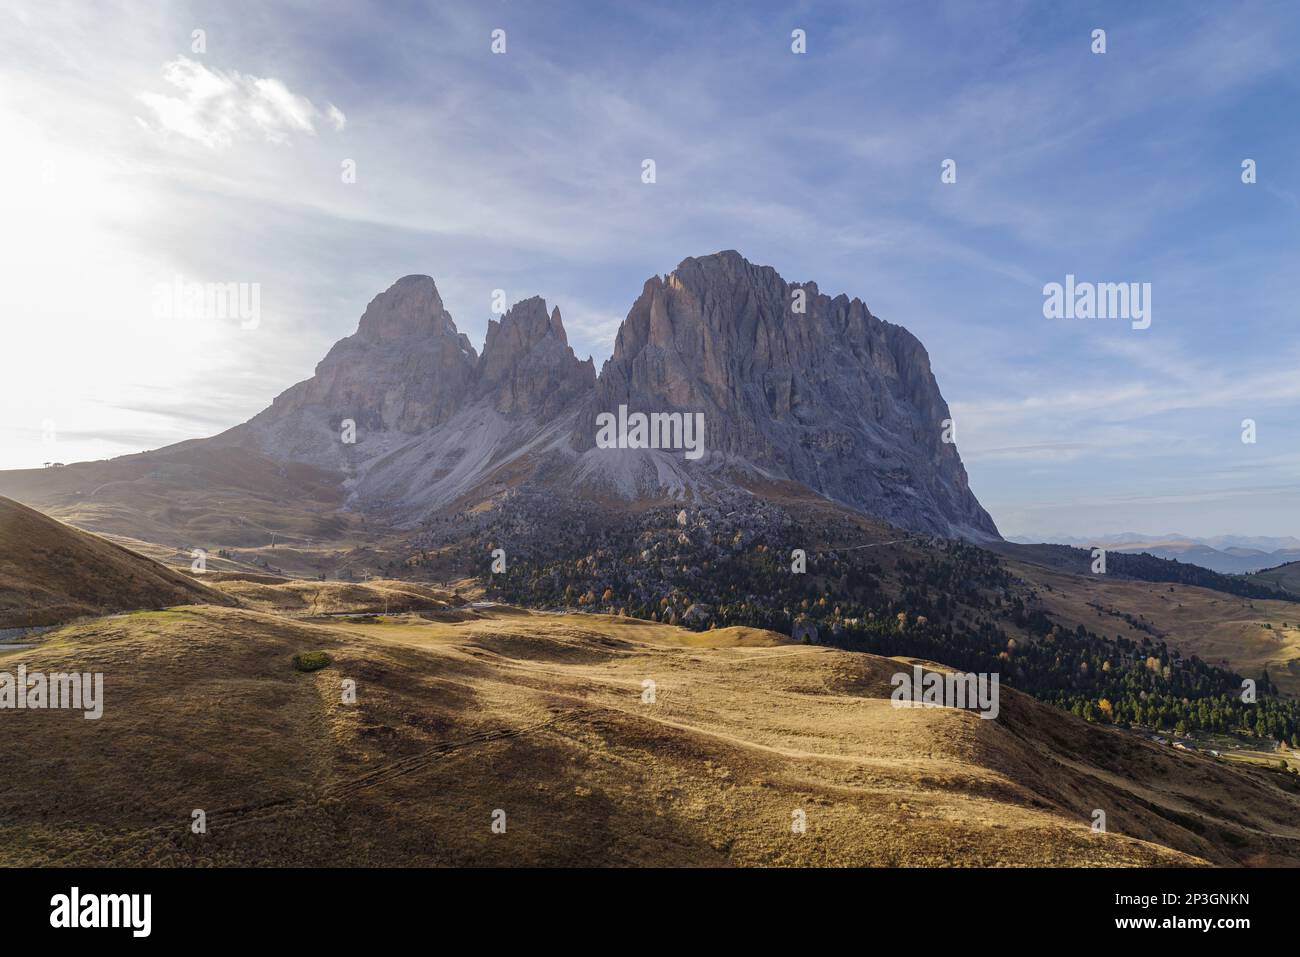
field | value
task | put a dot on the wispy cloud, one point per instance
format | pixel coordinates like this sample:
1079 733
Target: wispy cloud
216 107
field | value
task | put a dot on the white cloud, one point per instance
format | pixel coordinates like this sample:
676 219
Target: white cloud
216 107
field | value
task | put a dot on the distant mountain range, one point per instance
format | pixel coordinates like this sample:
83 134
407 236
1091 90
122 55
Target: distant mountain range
1229 554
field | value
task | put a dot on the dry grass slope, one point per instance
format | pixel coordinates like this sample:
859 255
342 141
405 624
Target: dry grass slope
1286 577
192 495
51 572
314 598
1250 634
542 716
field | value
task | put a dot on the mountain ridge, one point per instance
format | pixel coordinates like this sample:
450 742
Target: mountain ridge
1227 554
794 384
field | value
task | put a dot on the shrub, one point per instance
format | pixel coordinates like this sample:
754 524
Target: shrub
311 660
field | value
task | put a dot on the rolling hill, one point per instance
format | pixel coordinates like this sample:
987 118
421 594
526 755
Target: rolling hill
1285 577
51 572
544 718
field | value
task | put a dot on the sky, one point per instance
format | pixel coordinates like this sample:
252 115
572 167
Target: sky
136 153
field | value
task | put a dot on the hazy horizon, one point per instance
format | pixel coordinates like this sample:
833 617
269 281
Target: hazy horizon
136 161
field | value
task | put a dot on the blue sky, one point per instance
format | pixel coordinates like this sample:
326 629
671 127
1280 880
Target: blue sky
129 159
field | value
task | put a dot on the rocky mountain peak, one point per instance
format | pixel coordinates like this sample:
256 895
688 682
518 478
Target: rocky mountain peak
792 385
405 370
524 325
409 309
528 366
798 385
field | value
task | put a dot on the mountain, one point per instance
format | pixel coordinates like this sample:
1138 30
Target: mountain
1228 554
793 386
512 423
404 371
826 395
51 572
528 366
1262 543
196 494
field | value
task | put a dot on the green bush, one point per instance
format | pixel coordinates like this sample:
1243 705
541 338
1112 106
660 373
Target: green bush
311 660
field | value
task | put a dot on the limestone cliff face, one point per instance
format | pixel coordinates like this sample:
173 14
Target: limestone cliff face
405 369
796 383
406 374
528 366
793 385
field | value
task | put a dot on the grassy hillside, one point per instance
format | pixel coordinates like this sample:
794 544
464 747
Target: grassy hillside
51 572
312 597
189 495
1140 567
1245 635
543 716
1285 577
